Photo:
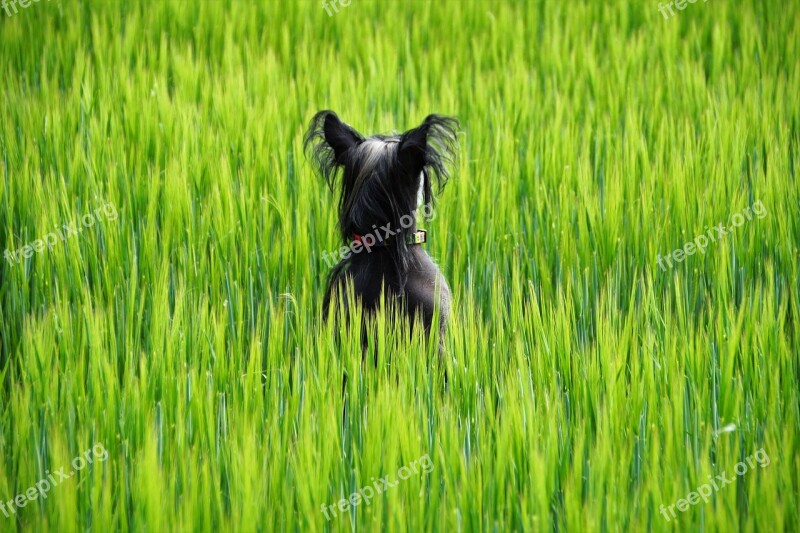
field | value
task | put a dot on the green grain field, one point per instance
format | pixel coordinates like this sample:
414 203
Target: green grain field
169 355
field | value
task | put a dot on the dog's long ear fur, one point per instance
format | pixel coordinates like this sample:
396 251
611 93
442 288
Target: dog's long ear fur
430 149
326 143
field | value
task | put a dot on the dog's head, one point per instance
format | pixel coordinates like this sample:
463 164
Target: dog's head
384 177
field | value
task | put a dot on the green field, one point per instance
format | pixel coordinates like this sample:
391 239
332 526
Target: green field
180 330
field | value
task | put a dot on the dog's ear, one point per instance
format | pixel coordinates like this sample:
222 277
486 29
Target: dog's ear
430 148
327 141
339 135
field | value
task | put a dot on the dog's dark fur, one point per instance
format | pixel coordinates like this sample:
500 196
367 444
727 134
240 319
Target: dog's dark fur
382 178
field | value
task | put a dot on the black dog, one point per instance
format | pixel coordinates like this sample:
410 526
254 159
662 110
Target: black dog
384 181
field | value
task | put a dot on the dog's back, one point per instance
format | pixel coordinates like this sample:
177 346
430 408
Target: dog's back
420 294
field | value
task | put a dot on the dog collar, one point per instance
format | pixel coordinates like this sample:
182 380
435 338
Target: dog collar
418 237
